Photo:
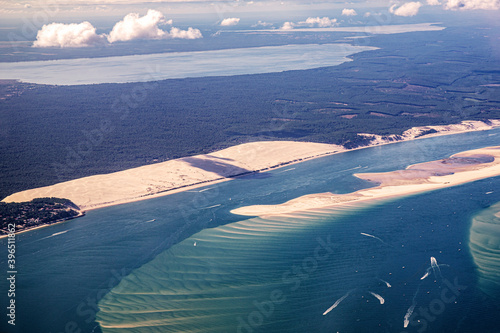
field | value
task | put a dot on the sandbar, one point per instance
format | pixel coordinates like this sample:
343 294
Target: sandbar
458 169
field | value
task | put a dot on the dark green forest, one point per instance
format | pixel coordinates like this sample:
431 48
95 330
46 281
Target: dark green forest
40 211
56 133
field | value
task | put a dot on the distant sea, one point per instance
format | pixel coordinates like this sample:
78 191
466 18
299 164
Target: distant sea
184 263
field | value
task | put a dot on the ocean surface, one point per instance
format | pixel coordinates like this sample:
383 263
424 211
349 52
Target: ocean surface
184 263
174 65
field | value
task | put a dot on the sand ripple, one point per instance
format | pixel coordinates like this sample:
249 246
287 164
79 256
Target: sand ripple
205 288
484 243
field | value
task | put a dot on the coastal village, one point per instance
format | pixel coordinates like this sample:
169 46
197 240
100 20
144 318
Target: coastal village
38 212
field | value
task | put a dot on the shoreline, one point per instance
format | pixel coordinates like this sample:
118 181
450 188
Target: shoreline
216 167
80 214
184 188
460 168
188 173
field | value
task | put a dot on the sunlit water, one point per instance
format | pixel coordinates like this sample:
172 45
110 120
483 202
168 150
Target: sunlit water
201 269
153 67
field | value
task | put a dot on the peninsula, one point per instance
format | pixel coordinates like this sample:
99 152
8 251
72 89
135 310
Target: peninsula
201 170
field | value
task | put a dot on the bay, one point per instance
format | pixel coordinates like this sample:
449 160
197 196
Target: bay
174 65
70 272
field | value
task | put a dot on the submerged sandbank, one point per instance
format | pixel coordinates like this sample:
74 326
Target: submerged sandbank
458 169
201 170
484 245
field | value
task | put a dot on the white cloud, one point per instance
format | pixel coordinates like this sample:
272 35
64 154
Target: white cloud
147 27
130 28
320 22
472 4
190 33
311 22
287 26
68 35
433 2
349 12
135 27
227 22
27 5
407 9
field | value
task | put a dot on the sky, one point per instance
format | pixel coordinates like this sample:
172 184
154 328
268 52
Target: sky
15 8
68 23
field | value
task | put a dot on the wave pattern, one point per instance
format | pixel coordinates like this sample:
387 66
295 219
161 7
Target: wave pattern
231 278
485 249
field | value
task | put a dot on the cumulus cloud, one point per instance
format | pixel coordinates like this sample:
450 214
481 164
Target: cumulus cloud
433 2
135 27
190 33
349 12
131 27
320 22
287 26
68 35
323 22
407 9
472 4
227 22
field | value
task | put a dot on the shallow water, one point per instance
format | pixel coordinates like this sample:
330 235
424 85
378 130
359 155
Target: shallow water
485 249
241 264
280 274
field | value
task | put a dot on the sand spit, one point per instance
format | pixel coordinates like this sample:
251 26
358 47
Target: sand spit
201 170
458 169
178 175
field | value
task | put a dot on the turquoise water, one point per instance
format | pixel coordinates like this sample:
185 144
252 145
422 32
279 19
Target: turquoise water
266 275
174 65
485 249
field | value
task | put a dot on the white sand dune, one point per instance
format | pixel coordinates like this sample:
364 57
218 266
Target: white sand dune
201 170
177 175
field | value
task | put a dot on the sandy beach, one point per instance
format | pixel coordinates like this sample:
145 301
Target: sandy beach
186 173
178 175
458 169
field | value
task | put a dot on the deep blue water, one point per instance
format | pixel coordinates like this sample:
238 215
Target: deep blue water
241 264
